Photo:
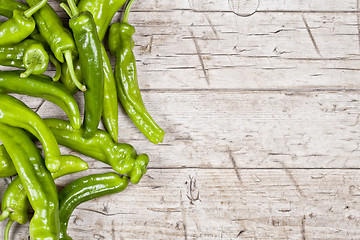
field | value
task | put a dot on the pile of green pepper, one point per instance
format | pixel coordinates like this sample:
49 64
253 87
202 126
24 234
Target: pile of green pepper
32 36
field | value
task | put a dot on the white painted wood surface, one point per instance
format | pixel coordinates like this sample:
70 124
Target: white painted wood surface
260 103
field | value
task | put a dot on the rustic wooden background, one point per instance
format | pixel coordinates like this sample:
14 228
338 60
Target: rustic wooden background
260 103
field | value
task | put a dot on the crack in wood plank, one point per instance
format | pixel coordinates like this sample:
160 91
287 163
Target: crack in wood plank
311 35
198 51
294 182
235 167
303 235
113 230
183 214
193 194
212 26
99 212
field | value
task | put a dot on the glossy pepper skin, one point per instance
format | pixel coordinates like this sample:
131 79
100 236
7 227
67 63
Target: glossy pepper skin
43 87
121 44
15 113
120 156
110 114
85 189
103 12
110 103
7 167
19 26
58 38
66 77
7 7
28 54
16 199
37 181
90 57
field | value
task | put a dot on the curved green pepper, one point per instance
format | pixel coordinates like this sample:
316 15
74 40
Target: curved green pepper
121 44
7 7
120 156
42 86
28 54
103 12
20 26
37 181
90 57
7 167
57 36
15 198
15 113
85 189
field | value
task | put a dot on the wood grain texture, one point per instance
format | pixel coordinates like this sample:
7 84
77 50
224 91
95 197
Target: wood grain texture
260 104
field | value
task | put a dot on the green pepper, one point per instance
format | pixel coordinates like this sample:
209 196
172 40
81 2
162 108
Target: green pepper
103 12
20 26
66 77
121 44
36 180
15 198
7 168
57 36
110 105
15 113
120 156
85 189
42 86
110 114
7 7
28 54
90 57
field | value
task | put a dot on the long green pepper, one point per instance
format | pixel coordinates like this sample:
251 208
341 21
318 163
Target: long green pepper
15 113
103 11
85 189
15 198
121 44
19 26
57 36
37 181
90 56
121 157
41 86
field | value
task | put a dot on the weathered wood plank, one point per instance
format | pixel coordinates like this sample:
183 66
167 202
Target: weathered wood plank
185 50
257 129
213 204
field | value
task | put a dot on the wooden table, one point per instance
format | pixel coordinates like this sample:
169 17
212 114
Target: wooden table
260 104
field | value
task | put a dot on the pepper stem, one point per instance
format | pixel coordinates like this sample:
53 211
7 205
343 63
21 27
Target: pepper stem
28 13
57 65
30 69
67 9
6 213
127 11
7 229
73 7
70 64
